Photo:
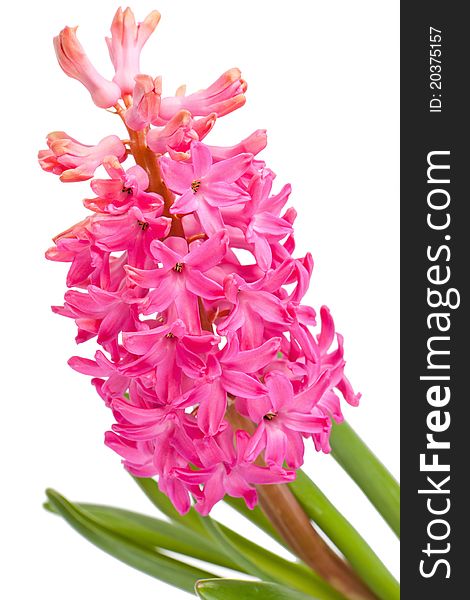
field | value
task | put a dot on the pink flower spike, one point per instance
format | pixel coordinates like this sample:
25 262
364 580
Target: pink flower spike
125 44
222 97
75 64
184 273
74 161
145 103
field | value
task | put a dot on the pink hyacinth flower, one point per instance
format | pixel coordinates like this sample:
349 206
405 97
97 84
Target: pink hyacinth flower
126 43
204 186
181 278
325 339
286 417
90 265
123 190
144 458
229 372
74 161
222 97
253 305
114 386
76 64
137 456
253 144
226 470
266 226
133 230
102 313
172 351
145 103
177 135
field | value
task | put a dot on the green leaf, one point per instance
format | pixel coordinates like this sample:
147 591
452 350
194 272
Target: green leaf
293 574
148 561
368 472
192 519
151 533
233 589
356 550
232 549
256 516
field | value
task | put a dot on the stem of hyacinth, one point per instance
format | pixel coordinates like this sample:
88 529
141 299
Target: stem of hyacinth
292 523
148 160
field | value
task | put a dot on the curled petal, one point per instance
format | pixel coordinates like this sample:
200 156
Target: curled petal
125 44
253 144
222 97
74 161
75 64
174 137
210 253
145 103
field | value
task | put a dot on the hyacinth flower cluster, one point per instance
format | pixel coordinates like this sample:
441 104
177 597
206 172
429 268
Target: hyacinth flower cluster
216 373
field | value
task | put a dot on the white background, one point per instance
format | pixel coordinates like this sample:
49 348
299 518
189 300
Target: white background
323 79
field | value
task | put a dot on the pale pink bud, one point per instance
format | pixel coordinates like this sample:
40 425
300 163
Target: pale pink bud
125 44
253 144
75 64
175 137
145 102
225 95
74 161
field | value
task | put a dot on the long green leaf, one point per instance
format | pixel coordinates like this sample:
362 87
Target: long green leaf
153 563
361 464
155 533
292 574
233 551
361 556
192 519
257 517
233 589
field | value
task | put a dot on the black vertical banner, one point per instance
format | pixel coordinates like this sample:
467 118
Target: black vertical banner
435 267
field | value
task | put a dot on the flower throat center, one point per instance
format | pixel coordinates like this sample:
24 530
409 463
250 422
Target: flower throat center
178 267
269 416
195 186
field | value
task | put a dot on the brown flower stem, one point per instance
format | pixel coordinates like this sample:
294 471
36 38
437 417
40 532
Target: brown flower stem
289 519
147 159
